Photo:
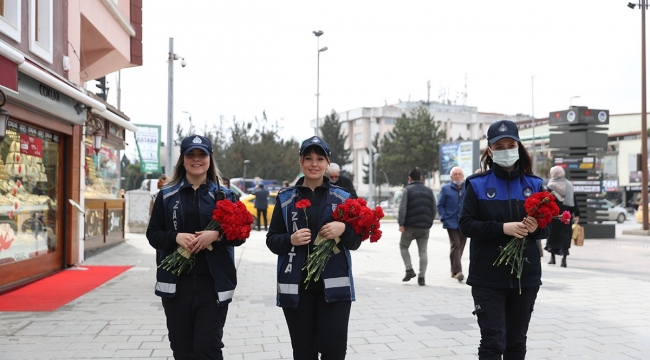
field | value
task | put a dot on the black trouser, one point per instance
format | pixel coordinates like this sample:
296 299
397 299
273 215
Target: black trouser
194 321
317 326
503 316
261 214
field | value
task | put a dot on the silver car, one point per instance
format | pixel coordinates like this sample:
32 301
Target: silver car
614 212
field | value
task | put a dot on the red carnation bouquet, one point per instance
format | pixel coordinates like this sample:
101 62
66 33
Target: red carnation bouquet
231 219
542 207
363 219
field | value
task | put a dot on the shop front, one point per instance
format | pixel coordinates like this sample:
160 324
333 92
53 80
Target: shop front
39 167
104 204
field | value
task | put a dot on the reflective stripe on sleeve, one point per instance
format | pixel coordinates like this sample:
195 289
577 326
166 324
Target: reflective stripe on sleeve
168 288
225 295
291 289
337 282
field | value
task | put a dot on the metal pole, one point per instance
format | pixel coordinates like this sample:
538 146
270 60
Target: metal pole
119 90
170 108
644 126
371 184
532 93
317 82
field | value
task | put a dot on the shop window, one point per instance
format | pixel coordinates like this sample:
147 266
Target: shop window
102 172
10 18
29 173
41 32
116 130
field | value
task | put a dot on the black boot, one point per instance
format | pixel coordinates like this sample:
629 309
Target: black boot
552 262
563 261
410 274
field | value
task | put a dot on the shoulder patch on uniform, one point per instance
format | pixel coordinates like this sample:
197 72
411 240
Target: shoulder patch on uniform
527 191
491 192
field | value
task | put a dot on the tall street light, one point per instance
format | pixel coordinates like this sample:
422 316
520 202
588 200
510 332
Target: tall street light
169 167
532 94
644 126
246 163
571 99
318 33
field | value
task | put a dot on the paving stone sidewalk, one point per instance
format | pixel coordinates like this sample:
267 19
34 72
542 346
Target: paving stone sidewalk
579 314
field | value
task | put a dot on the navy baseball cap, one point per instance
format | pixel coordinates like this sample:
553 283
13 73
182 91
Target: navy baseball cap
502 129
196 142
315 141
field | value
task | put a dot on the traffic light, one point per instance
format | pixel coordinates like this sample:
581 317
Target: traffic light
103 90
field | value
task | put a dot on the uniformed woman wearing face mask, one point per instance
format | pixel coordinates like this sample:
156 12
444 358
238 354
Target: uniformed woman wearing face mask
492 214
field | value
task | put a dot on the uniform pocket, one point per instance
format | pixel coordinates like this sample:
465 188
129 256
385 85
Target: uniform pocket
479 307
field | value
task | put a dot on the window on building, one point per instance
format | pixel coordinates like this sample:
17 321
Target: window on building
468 126
358 136
10 18
41 33
389 121
29 177
358 122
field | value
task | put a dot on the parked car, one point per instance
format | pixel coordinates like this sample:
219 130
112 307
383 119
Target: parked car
614 211
249 201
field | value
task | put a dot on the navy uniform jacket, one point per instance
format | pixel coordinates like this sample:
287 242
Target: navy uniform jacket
286 219
493 198
164 225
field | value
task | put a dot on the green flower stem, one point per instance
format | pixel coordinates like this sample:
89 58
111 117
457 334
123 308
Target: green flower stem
513 254
317 260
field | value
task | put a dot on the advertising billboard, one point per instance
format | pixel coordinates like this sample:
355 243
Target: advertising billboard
464 154
147 140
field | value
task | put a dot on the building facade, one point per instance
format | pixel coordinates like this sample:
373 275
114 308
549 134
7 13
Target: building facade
52 122
362 125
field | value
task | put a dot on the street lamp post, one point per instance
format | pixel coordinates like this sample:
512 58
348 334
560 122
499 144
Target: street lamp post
532 94
246 163
170 103
571 99
318 33
644 125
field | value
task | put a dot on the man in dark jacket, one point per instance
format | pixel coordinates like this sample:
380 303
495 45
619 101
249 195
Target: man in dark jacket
417 209
261 205
334 173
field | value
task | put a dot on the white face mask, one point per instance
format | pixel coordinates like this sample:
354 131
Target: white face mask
457 183
505 158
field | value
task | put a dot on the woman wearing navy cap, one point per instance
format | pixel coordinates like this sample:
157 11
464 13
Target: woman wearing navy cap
316 312
492 214
196 302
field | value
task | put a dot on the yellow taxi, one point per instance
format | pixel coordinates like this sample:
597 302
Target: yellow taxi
249 201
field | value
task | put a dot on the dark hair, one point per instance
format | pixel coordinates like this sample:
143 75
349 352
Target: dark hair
525 163
261 186
415 174
179 171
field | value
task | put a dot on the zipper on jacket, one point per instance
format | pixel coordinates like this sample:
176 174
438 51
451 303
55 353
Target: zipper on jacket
509 203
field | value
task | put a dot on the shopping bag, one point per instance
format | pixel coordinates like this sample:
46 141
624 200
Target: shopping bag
578 235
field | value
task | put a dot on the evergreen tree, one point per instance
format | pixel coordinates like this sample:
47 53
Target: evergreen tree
331 132
413 142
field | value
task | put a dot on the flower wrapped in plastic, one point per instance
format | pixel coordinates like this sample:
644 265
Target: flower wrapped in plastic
542 207
231 219
364 221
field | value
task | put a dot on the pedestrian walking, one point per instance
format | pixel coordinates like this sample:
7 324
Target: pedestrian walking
492 214
261 205
334 173
196 301
317 311
450 202
162 180
417 209
559 240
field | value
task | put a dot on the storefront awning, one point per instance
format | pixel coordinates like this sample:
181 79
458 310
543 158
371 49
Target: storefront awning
50 80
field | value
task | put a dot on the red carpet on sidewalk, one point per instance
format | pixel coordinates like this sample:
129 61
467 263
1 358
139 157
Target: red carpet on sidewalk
52 292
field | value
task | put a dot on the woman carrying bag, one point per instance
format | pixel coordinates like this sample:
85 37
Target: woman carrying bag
559 241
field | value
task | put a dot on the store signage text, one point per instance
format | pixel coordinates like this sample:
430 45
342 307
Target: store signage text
28 130
49 93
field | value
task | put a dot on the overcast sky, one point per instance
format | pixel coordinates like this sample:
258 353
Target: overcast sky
246 57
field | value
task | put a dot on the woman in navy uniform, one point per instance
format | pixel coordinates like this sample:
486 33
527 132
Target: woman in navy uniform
492 214
317 312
